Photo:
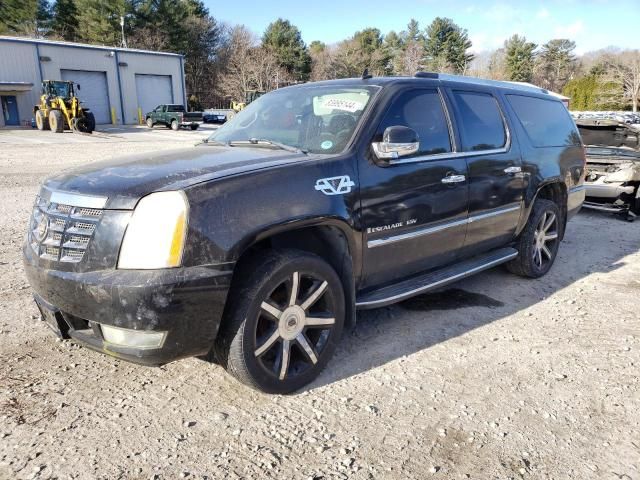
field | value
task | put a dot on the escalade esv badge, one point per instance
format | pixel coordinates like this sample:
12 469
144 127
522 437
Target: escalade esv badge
335 185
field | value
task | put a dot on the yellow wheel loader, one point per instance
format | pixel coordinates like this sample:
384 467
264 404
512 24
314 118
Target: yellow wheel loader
236 107
61 109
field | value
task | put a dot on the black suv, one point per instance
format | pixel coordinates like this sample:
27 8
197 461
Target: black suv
257 247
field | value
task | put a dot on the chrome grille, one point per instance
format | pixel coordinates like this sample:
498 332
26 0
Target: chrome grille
62 232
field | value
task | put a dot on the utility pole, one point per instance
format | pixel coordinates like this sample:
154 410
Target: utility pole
124 41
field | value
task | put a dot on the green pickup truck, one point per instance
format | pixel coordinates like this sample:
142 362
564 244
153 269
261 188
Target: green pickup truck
174 117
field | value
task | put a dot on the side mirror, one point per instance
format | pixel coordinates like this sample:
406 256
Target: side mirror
396 142
78 85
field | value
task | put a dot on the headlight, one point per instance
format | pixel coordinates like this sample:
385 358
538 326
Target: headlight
156 232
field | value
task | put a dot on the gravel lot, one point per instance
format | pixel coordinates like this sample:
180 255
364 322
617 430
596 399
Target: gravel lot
495 377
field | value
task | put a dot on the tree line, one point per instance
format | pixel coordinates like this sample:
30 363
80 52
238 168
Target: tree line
224 62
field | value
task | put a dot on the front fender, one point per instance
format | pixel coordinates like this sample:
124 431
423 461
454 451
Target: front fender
229 215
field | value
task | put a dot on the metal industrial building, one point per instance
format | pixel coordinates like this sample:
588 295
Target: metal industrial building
116 83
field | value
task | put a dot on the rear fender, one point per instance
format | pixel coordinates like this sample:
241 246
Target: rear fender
532 195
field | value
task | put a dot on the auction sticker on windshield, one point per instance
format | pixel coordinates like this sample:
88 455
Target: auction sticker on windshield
343 104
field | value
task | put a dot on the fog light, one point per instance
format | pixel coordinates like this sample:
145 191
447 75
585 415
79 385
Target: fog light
126 337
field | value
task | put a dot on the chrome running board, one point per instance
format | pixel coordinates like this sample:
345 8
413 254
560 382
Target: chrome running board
430 281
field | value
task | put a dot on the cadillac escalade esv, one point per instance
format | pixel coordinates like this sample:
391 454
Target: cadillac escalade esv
256 247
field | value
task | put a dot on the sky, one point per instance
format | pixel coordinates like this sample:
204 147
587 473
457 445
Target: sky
592 24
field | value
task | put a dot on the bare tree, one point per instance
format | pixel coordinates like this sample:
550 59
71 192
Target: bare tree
322 61
249 66
411 58
624 68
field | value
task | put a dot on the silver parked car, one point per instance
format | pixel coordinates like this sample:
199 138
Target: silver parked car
613 166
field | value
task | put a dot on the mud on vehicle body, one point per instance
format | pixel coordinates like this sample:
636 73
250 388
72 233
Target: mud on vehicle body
257 247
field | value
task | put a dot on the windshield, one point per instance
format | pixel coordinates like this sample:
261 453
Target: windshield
313 119
60 89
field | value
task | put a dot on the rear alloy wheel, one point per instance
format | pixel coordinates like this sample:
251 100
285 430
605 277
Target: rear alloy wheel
282 328
538 244
174 125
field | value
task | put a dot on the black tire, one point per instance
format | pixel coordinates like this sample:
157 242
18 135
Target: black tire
42 122
56 121
538 243
174 125
194 127
252 339
88 122
150 122
636 206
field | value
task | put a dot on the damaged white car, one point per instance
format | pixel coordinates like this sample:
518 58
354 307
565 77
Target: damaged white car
613 166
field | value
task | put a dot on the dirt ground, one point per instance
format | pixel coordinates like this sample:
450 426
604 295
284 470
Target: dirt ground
496 377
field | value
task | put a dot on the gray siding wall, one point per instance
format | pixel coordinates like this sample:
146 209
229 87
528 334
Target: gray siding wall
66 58
19 63
150 65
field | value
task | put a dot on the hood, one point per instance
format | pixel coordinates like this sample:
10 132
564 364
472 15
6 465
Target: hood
608 133
125 181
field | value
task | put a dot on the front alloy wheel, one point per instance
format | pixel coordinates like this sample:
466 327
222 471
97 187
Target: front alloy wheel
289 337
282 328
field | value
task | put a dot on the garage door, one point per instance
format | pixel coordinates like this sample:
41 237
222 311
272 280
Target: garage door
153 90
93 92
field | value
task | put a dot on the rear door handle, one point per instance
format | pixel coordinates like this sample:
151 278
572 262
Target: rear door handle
513 170
454 179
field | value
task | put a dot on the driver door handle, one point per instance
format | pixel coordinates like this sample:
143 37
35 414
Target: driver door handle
454 179
513 170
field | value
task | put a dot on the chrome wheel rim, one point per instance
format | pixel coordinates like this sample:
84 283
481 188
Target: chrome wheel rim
545 238
293 327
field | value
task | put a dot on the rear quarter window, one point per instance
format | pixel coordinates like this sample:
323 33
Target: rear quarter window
546 122
479 120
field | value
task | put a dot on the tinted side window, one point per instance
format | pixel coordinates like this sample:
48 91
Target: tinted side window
546 122
422 111
479 121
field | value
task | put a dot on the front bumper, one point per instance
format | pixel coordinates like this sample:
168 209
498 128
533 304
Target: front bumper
608 190
187 303
617 197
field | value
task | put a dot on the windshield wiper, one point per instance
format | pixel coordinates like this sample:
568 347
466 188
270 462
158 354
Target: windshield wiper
264 141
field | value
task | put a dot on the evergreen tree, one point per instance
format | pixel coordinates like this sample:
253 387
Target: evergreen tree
285 41
582 92
43 18
65 20
556 63
17 16
519 59
446 46
413 32
364 50
99 21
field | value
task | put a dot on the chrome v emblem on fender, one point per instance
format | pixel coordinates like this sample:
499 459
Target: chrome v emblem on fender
335 185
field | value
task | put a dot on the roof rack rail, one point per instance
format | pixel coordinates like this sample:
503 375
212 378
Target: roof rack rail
426 75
